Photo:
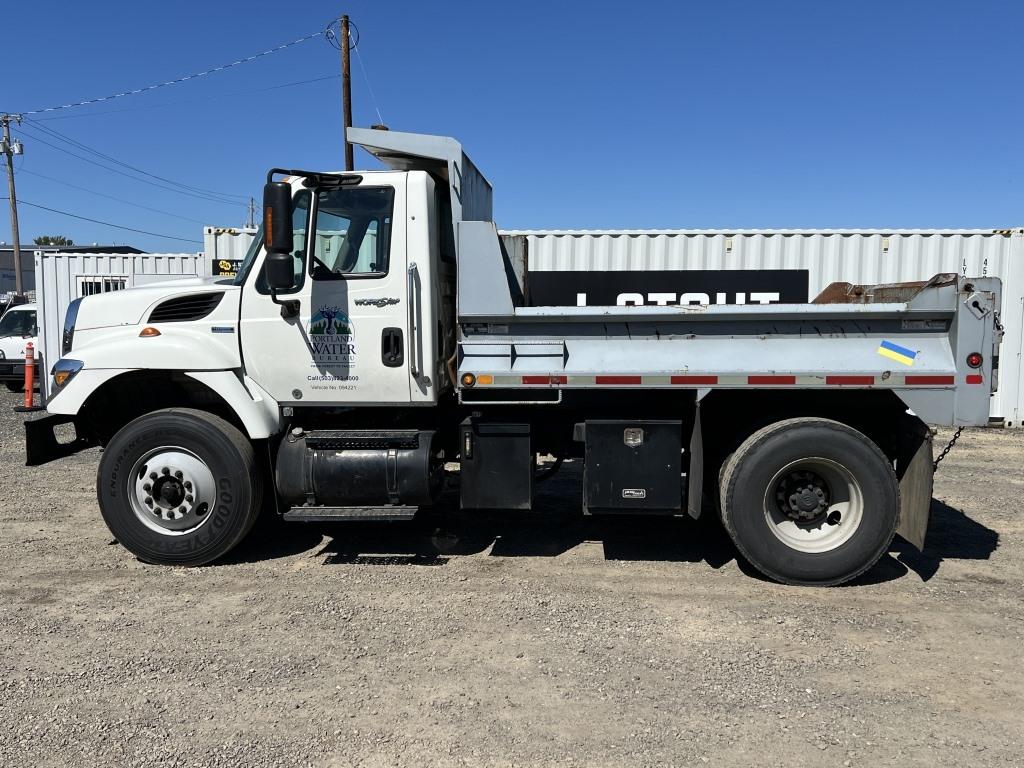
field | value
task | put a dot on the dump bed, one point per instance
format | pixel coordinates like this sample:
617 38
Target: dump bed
933 342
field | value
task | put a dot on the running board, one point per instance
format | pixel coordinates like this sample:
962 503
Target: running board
349 514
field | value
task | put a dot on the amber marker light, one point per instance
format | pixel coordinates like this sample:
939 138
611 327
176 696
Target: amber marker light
468 379
148 332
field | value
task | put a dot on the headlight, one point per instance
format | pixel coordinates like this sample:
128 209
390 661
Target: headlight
64 371
70 319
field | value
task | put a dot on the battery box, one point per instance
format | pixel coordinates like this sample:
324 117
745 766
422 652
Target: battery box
497 465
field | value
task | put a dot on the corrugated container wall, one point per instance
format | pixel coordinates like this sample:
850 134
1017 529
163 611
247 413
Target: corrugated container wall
227 243
64 277
828 256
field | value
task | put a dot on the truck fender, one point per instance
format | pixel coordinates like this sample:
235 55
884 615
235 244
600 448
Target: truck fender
257 410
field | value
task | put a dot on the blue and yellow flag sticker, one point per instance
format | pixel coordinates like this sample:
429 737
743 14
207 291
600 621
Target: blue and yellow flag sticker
897 353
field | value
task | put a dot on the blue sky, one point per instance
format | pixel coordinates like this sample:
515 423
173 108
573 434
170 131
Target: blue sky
582 114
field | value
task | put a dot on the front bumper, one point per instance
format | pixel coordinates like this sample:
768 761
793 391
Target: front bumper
42 445
12 370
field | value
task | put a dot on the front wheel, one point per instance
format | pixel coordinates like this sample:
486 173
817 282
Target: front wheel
810 501
179 487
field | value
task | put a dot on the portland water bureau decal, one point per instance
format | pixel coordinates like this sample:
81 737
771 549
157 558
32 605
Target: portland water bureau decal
331 337
896 352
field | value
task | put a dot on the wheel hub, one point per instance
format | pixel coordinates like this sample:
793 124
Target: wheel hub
803 496
172 490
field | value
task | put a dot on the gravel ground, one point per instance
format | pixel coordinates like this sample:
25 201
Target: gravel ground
505 643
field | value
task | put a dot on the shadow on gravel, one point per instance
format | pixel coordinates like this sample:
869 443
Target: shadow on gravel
433 540
952 535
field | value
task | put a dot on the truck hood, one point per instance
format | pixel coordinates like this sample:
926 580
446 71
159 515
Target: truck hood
133 305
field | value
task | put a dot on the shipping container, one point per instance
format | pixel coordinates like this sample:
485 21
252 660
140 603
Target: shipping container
225 248
63 277
751 266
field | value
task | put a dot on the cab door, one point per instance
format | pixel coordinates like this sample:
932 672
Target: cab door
349 342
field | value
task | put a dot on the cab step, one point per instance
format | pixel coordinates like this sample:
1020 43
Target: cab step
349 514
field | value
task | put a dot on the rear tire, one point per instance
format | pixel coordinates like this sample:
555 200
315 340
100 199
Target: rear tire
810 501
14 386
179 487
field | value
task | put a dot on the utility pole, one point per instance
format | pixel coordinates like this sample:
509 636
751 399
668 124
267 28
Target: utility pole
250 222
10 150
346 89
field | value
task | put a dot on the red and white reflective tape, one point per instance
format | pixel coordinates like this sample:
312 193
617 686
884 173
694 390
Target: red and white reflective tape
731 381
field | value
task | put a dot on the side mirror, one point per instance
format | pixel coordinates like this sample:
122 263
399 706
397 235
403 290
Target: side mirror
279 266
280 271
277 217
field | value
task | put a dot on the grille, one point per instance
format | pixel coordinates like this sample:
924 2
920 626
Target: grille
183 309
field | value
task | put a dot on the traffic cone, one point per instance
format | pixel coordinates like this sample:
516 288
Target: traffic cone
30 381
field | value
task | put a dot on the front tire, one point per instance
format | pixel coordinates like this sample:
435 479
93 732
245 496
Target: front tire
14 386
179 487
810 501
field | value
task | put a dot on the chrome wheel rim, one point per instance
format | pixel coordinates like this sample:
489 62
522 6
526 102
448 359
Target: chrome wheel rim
814 505
172 491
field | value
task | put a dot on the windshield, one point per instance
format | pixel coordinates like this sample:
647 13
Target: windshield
18 322
250 257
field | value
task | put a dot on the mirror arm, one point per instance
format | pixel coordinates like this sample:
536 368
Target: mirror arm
289 307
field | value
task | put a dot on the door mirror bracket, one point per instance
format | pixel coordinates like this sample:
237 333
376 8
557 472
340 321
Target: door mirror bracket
289 307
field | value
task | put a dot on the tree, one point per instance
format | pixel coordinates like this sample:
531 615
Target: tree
54 240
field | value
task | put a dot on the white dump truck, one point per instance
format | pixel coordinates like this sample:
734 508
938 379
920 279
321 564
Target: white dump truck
376 336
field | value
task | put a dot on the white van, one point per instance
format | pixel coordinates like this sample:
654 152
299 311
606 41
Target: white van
17 328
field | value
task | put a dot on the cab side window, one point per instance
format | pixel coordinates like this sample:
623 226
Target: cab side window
353 232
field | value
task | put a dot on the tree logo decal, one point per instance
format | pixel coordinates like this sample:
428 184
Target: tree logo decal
331 338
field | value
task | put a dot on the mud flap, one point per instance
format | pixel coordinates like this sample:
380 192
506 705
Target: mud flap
41 444
695 476
915 473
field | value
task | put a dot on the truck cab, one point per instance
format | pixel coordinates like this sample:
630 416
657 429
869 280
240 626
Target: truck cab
377 347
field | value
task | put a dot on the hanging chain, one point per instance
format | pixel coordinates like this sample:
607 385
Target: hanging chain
947 449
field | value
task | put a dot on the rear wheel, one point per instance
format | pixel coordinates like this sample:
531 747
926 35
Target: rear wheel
810 501
14 386
179 487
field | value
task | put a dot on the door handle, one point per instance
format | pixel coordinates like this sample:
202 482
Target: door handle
392 353
415 366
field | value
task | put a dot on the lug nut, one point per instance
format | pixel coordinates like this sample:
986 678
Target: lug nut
189 498
152 475
182 510
149 500
188 485
165 471
179 474
147 487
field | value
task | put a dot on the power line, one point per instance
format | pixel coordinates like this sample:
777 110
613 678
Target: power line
373 98
207 198
175 81
75 143
104 223
169 104
111 197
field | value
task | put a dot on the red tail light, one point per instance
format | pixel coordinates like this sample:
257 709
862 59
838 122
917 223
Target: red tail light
975 359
